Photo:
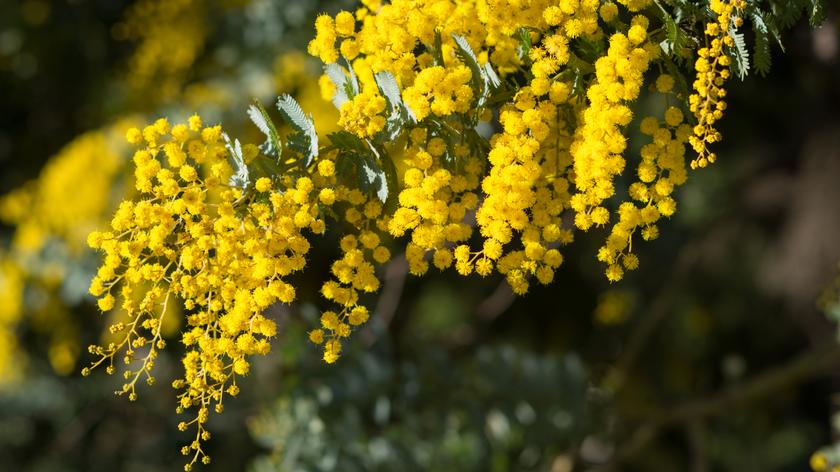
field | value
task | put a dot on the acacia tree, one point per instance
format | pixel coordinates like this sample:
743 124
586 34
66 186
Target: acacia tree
479 136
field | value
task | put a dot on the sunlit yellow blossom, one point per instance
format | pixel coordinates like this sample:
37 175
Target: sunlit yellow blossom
712 67
160 249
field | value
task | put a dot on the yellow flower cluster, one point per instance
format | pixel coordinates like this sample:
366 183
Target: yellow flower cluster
440 91
389 34
501 19
362 115
386 41
526 160
555 151
434 202
323 45
222 253
354 273
660 171
599 143
541 154
525 192
712 66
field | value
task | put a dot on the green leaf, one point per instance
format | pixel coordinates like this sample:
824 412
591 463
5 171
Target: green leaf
761 52
817 13
441 129
467 56
675 40
492 78
354 81
398 112
686 9
346 141
788 12
389 88
438 49
523 48
241 176
740 54
579 84
373 178
765 23
484 78
356 154
341 82
305 140
345 81
272 146
263 166
479 146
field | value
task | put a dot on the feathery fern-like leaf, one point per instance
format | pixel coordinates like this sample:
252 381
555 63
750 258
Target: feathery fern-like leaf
259 116
817 13
305 140
363 157
241 177
484 78
762 59
741 54
340 80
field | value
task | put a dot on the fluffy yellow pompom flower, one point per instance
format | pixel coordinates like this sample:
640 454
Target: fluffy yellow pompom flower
263 184
712 66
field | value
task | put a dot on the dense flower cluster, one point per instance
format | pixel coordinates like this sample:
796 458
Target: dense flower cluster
661 170
434 202
440 92
558 148
712 66
52 215
363 114
354 273
192 239
485 133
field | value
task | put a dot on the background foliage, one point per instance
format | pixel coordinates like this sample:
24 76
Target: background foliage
713 356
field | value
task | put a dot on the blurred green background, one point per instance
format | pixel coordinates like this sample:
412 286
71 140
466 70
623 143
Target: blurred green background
715 355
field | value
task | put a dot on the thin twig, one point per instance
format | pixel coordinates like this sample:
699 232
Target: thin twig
804 366
807 365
